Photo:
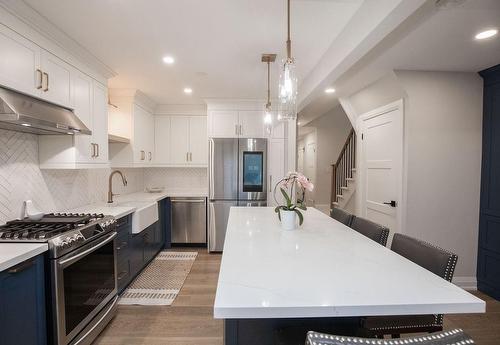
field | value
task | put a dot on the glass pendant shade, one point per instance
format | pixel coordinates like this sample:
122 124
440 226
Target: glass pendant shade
288 91
268 120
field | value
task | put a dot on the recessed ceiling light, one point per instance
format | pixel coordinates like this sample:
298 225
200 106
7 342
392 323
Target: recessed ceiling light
486 34
188 90
330 90
168 60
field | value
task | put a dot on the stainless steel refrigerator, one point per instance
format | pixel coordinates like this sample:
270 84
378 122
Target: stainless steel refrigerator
237 177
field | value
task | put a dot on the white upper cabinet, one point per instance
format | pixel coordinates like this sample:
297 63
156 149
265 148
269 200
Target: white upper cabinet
224 124
198 140
162 139
236 124
82 102
135 111
100 122
181 140
251 124
56 79
19 63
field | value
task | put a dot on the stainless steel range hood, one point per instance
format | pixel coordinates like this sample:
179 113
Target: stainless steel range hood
23 113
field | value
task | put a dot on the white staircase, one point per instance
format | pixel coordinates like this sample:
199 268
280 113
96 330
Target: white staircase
344 174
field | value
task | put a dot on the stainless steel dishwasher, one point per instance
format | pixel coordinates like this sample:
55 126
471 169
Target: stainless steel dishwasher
189 221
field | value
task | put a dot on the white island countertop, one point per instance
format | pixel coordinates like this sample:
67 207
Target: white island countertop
12 254
323 269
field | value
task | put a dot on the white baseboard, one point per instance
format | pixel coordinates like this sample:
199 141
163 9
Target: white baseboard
466 283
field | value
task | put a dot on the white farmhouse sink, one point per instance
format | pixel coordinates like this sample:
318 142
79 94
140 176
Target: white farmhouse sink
145 214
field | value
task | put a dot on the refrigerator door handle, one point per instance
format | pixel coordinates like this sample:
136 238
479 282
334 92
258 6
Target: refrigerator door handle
211 169
211 227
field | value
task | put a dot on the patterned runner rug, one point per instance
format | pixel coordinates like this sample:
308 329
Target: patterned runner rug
161 280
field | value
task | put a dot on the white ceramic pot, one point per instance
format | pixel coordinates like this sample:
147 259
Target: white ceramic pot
288 220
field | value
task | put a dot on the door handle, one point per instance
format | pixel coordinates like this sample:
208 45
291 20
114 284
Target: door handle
39 78
392 203
46 75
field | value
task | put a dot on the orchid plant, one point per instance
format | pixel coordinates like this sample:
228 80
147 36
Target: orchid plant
293 188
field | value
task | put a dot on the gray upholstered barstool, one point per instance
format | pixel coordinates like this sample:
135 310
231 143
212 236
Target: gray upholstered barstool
439 261
341 216
454 337
372 230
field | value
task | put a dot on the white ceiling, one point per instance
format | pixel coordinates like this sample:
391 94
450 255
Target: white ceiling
431 40
216 43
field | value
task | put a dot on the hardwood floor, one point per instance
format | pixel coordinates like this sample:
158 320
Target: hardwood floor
189 320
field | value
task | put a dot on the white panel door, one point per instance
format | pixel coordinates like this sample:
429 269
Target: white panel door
382 162
179 147
56 86
162 140
19 61
100 121
81 101
276 168
198 140
251 124
223 124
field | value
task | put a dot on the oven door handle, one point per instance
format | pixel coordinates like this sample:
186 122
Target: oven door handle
76 257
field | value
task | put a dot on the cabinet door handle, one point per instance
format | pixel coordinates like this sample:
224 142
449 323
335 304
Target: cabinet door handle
98 151
235 129
21 267
270 182
150 155
46 75
241 130
187 156
39 78
143 155
92 145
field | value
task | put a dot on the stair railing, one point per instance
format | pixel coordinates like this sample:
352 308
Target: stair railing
342 170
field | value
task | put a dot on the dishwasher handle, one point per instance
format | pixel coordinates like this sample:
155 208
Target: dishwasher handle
194 201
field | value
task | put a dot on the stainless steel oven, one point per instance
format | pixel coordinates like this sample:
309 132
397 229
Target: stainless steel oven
84 289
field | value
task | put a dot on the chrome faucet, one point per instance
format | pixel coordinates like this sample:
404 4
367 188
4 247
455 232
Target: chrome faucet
110 185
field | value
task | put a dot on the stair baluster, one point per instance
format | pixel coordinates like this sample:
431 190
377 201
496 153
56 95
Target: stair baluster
342 170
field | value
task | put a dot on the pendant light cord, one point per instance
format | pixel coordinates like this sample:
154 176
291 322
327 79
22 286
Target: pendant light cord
268 105
289 41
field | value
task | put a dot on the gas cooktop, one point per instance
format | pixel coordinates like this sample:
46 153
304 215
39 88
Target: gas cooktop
63 231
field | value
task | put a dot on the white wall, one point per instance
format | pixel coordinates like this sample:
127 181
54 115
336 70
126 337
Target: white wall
332 130
309 161
443 119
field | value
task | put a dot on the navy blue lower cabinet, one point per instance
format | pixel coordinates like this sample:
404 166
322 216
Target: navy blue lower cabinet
488 262
123 251
22 304
165 223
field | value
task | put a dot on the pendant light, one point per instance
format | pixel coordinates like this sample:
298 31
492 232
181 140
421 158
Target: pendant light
268 115
288 80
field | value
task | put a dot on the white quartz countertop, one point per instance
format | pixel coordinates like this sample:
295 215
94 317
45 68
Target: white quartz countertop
12 254
323 269
118 211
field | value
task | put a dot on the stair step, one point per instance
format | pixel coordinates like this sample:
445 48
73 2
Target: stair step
344 188
353 169
349 179
339 196
335 203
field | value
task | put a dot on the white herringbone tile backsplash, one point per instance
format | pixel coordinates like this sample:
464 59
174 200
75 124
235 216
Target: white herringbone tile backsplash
50 190
59 190
176 178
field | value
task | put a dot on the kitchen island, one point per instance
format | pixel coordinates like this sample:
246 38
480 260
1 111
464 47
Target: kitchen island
323 275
